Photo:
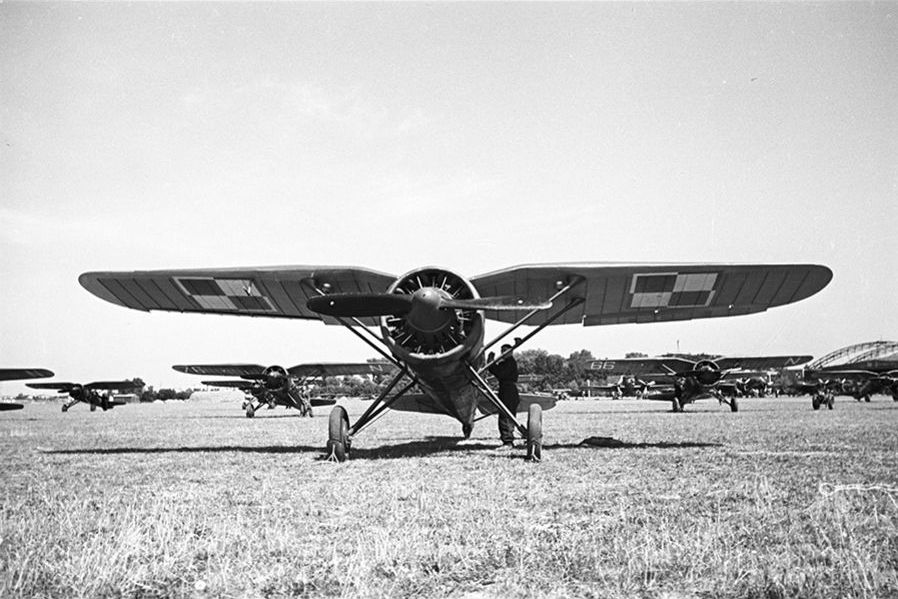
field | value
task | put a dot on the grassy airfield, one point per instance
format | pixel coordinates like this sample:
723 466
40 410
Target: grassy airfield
195 500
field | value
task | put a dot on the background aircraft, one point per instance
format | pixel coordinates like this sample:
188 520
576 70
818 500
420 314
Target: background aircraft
20 374
691 381
89 393
432 319
626 386
824 385
275 385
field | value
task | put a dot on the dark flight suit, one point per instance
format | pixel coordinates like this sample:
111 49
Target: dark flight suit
506 371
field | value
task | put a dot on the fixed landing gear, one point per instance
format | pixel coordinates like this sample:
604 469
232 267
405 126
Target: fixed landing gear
250 410
338 435
535 433
827 400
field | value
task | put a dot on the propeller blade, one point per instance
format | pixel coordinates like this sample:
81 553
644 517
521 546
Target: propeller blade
498 303
361 304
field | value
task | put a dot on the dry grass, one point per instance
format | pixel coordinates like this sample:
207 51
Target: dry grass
196 500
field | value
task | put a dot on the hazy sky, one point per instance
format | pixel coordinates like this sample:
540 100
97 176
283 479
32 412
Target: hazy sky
471 136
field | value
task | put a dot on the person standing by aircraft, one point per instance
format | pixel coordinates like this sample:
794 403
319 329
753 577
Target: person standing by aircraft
506 372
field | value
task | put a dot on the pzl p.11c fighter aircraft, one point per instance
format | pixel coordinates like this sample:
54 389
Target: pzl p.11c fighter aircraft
431 320
275 385
824 385
20 374
88 393
690 380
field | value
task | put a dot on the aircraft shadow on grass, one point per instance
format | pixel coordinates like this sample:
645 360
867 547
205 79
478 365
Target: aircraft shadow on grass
419 448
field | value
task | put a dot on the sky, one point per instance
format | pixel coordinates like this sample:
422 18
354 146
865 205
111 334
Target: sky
470 136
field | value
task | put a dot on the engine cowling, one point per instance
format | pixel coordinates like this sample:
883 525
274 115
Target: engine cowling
707 372
275 377
428 332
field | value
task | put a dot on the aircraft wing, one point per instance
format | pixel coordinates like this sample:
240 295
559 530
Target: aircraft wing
111 385
267 291
641 366
623 293
761 363
850 375
236 384
20 374
66 387
340 369
220 369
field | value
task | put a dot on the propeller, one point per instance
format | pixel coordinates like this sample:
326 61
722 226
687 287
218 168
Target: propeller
398 304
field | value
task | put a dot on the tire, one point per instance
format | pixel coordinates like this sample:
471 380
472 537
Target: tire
93 407
734 406
65 408
815 401
677 407
830 401
250 411
338 435
535 433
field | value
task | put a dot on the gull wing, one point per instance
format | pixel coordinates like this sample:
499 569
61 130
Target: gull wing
625 293
20 374
761 362
220 369
268 291
111 385
65 387
340 369
236 384
641 366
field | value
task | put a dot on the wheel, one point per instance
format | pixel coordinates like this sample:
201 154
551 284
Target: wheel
676 405
338 435
867 398
250 411
734 407
830 401
815 401
535 433
93 407
65 408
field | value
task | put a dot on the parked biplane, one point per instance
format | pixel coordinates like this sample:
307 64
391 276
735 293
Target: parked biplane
89 393
275 385
690 381
20 374
432 320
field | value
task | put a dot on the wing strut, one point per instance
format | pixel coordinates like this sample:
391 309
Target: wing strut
387 356
576 281
573 303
